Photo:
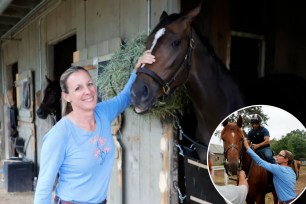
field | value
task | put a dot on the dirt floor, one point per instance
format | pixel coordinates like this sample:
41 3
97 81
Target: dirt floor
13 197
27 197
301 183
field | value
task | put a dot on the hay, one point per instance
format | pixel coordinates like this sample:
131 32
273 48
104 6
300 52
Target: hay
116 73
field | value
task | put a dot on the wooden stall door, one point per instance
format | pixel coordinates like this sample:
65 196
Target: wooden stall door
26 114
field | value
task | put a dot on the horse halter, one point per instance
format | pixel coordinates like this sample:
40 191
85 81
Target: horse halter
230 147
166 86
225 154
233 146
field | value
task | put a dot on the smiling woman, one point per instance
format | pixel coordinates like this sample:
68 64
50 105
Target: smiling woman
78 89
81 142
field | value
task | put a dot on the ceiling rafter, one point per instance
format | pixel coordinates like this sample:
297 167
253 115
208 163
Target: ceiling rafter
14 12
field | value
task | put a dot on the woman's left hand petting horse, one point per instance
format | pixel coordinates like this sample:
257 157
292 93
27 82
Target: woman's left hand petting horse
80 147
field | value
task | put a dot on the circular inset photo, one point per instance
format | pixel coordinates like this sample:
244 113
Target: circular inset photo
258 153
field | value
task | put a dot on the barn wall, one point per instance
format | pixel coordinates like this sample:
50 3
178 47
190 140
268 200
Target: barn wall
280 23
147 157
218 30
99 27
96 24
290 39
218 159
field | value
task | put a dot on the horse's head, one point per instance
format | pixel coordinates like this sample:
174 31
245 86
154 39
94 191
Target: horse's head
51 101
232 136
171 43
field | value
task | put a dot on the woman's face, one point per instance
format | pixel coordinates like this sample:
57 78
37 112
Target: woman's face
82 92
281 157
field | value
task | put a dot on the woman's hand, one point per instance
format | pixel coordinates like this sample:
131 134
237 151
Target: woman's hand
241 175
246 143
145 58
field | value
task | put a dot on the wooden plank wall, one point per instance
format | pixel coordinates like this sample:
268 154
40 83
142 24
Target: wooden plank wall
147 154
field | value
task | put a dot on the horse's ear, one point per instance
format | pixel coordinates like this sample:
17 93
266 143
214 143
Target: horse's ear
225 122
163 16
188 18
48 80
239 121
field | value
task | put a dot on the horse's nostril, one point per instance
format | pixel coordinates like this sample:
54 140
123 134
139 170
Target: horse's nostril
140 94
145 91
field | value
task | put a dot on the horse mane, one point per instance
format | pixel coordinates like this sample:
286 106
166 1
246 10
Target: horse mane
218 66
204 40
211 51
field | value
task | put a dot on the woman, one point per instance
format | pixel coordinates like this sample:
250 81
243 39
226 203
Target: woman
80 147
284 173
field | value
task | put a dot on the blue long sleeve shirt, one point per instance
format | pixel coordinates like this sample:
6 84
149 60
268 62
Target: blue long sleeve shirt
83 159
284 178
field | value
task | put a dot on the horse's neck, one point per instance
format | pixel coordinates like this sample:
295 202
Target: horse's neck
246 161
213 92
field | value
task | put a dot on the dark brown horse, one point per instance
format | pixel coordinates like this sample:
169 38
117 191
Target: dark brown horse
185 57
236 158
51 103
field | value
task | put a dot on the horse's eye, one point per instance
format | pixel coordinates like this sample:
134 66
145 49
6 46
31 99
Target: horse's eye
176 43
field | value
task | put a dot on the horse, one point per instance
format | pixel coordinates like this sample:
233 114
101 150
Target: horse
298 167
184 57
232 136
51 103
237 158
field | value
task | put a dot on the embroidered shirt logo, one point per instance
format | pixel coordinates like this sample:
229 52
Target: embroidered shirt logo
101 149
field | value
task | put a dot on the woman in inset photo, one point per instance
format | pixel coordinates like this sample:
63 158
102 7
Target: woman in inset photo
244 166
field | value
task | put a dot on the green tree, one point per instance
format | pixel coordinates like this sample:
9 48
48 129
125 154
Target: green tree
295 141
247 114
278 145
